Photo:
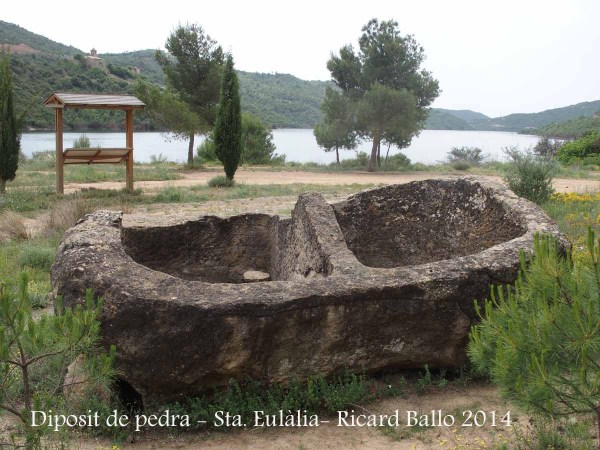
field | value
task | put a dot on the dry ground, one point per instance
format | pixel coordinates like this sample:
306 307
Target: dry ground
257 176
451 400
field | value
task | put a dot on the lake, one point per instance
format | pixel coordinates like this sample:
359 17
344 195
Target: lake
297 144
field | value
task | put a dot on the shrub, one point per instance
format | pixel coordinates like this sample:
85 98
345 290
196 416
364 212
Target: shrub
547 147
158 159
82 142
529 176
472 155
539 341
315 395
37 257
461 165
42 160
221 181
397 161
13 226
34 356
206 151
169 194
66 214
359 162
580 149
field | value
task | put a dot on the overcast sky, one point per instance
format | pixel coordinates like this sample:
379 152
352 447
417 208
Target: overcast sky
496 57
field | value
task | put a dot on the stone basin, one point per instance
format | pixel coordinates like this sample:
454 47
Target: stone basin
382 281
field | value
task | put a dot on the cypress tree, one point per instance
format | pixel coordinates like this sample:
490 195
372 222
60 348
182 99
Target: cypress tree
10 128
228 126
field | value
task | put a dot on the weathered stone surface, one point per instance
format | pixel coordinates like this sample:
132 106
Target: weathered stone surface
385 280
254 276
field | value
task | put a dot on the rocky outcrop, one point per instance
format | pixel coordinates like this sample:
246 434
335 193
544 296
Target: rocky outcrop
385 280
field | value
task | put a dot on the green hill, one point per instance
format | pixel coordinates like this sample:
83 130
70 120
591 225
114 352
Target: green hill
41 66
142 59
533 121
442 119
282 100
14 35
571 129
464 114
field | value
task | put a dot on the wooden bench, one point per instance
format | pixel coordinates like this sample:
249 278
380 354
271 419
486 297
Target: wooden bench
96 155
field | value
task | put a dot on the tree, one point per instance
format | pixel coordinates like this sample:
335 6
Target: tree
35 355
540 341
336 130
10 127
257 144
193 71
257 141
388 67
228 126
168 111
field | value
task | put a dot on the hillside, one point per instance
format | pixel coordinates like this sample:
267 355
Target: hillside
41 66
571 129
442 119
532 121
14 35
464 114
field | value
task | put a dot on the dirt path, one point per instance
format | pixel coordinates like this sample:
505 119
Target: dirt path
253 176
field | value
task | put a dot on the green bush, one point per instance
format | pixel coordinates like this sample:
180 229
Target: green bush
529 176
398 161
221 181
540 340
316 395
169 194
472 155
360 162
82 142
206 151
34 355
461 165
36 257
547 147
581 148
158 159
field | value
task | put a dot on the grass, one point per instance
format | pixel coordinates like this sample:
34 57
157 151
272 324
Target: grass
12 226
573 214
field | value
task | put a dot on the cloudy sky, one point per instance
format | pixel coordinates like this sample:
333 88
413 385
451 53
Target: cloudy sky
496 57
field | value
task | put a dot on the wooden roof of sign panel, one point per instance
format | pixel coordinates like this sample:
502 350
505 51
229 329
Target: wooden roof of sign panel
93 101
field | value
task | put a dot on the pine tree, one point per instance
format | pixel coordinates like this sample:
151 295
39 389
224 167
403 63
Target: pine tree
228 127
35 355
10 128
540 341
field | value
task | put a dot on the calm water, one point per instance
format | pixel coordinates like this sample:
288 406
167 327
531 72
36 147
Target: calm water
298 145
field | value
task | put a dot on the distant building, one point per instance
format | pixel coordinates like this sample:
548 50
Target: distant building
93 60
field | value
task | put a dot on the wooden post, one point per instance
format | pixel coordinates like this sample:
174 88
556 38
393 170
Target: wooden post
60 177
129 145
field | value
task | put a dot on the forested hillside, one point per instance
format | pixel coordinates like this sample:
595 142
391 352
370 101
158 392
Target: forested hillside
41 66
533 121
440 119
571 129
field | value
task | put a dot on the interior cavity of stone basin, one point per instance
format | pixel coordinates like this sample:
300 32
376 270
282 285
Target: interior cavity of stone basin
415 226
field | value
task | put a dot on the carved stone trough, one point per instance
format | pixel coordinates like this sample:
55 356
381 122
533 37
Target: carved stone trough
385 280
